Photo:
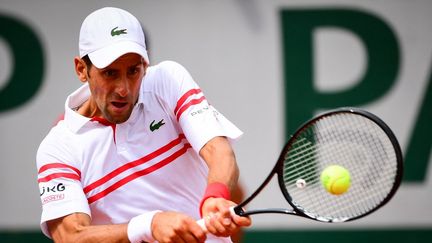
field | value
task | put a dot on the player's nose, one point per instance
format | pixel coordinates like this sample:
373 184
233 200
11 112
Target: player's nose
122 87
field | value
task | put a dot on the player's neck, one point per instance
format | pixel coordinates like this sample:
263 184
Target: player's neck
89 109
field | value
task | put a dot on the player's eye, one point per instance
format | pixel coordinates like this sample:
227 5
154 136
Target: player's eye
110 73
134 70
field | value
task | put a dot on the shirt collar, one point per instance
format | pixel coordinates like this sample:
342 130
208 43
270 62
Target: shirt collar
76 121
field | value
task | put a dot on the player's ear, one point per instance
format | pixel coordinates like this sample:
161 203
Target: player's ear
81 69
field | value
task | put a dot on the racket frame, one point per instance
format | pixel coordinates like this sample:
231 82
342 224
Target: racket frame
277 169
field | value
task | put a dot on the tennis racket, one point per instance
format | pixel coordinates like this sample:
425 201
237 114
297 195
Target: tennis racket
352 138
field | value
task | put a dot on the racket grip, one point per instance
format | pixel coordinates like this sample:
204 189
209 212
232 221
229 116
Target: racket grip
201 222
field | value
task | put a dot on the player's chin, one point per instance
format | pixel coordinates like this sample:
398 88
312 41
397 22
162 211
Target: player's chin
120 114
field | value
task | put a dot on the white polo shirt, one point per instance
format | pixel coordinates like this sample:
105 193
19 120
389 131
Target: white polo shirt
150 162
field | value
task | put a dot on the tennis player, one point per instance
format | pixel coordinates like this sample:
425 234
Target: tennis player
140 154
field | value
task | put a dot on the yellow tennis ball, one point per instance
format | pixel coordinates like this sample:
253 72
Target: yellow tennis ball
336 179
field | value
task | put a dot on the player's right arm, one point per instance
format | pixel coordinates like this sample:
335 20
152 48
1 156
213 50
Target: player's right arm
165 227
77 228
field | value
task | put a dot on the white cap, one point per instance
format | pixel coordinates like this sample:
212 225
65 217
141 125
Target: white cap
108 33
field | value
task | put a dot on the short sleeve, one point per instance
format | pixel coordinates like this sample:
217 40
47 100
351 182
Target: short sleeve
203 122
199 120
60 188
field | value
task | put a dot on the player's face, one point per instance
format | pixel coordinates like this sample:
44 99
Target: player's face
115 89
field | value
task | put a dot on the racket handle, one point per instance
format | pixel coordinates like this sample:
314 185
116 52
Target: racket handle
201 222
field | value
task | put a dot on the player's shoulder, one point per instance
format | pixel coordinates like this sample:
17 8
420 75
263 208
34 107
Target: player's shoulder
57 136
59 142
163 74
165 68
168 65
59 129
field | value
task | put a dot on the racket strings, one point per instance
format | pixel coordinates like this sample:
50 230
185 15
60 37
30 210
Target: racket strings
349 140
367 201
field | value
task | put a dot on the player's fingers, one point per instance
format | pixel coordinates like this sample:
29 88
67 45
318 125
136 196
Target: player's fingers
213 226
172 238
198 233
219 226
224 216
190 231
209 225
224 212
190 237
224 206
241 220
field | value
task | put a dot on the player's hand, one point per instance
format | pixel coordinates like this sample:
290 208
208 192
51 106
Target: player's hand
176 227
218 218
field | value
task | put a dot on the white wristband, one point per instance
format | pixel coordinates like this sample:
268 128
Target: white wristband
139 228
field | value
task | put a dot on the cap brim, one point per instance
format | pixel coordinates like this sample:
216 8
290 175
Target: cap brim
105 56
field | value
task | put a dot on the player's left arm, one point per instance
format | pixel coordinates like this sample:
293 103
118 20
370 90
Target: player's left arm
223 174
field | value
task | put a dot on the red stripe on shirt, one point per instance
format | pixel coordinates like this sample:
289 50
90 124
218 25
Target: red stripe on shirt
186 106
59 175
138 174
132 164
185 97
58 166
